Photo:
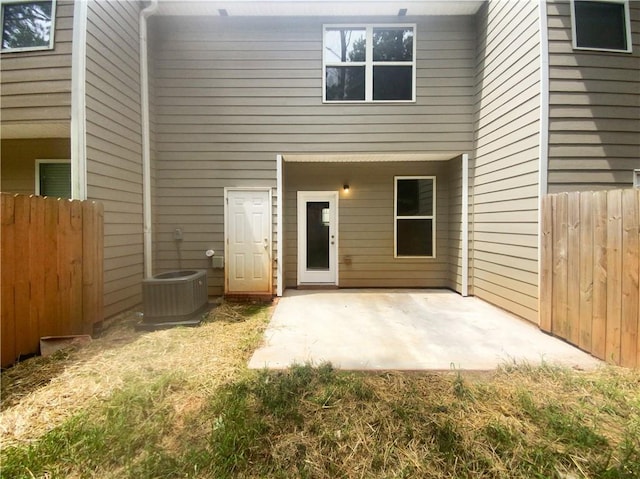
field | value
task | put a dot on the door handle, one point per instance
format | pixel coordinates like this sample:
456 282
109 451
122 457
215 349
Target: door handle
266 243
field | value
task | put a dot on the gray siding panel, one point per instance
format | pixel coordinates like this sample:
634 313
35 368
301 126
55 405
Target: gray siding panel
594 112
114 169
366 244
36 86
505 181
232 93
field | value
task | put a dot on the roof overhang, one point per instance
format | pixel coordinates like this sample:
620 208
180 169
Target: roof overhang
366 157
267 8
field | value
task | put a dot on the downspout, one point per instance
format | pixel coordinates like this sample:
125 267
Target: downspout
78 102
146 142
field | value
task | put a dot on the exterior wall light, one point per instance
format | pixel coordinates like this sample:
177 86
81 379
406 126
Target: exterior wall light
345 187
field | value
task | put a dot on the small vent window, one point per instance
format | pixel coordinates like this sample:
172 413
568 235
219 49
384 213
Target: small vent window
53 179
601 25
27 25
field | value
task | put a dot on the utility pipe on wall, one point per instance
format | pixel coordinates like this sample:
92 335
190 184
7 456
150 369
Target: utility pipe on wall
146 142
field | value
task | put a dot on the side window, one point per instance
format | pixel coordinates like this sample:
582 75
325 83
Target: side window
53 178
369 63
601 25
414 211
27 26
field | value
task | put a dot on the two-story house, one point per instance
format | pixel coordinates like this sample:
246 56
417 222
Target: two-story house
354 143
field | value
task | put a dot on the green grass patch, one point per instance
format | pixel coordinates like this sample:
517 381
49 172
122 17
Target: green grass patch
317 422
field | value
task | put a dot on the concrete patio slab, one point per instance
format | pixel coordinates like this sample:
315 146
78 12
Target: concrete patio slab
372 329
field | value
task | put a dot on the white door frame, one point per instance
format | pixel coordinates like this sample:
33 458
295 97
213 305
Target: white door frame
332 197
226 232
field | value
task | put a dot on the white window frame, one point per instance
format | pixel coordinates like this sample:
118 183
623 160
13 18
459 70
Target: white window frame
45 162
368 63
636 178
28 49
627 26
414 217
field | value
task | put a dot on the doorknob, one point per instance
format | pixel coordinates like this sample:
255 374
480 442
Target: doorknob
266 243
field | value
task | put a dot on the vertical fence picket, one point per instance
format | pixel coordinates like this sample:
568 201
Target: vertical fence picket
88 266
34 267
630 284
8 257
74 260
546 268
100 261
614 275
50 267
586 270
559 324
573 267
25 328
64 268
598 326
638 341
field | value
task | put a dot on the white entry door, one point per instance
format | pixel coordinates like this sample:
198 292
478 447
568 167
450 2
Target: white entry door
318 237
248 240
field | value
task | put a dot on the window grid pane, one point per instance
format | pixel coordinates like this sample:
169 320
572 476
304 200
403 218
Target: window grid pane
345 45
393 44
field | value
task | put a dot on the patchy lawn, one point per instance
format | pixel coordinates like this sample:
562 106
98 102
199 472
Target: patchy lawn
181 403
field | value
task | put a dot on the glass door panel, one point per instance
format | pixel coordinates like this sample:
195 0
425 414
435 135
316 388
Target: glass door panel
318 235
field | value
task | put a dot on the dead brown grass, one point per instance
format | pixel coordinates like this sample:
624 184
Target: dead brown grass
41 393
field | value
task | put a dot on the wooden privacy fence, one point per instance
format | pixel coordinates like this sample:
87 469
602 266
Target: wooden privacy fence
590 293
52 282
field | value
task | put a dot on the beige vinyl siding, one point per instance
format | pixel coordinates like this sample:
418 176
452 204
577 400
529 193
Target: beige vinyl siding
366 221
232 93
505 183
36 86
114 170
18 161
594 111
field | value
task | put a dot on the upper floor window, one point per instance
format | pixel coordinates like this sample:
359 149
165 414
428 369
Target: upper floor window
368 63
601 25
27 25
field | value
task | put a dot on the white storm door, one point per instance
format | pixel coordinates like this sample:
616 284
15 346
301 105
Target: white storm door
248 240
318 237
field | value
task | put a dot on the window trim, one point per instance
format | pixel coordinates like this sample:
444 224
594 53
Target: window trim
29 49
636 178
368 63
45 162
415 217
627 26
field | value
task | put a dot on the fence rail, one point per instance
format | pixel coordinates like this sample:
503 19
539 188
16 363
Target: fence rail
52 271
590 293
